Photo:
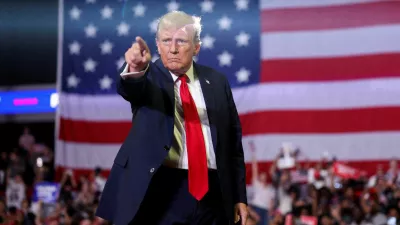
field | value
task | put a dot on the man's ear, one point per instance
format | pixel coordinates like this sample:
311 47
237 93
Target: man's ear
196 49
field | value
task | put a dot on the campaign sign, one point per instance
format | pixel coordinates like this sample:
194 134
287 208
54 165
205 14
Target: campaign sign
47 192
345 171
309 220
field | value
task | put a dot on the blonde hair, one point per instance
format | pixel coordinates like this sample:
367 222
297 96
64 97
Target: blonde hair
179 19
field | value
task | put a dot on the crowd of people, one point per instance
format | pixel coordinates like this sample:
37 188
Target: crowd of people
316 194
31 163
300 195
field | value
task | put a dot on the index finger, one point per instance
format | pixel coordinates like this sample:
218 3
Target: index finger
142 44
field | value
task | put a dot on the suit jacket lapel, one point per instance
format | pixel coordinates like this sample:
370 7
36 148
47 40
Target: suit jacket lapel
167 83
161 66
207 87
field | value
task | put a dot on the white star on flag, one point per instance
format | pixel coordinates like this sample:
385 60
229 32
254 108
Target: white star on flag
153 26
90 65
225 23
91 1
139 10
242 4
75 13
172 6
243 75
90 31
242 39
72 81
225 59
106 12
120 62
105 82
208 42
123 29
106 47
74 48
207 6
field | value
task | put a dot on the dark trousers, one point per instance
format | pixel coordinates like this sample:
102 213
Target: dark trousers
168 201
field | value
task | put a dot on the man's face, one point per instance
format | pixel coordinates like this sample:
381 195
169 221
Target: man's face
177 48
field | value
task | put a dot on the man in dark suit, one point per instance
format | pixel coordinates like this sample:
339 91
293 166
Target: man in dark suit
182 162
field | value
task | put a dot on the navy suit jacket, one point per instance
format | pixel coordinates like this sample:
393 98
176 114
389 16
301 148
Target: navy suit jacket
151 98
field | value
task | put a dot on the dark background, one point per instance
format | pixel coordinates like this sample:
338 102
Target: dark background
10 133
28 55
28 42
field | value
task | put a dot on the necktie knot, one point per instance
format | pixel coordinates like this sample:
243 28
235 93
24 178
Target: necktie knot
183 78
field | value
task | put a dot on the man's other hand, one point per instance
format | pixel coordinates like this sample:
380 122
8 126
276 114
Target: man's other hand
241 213
138 56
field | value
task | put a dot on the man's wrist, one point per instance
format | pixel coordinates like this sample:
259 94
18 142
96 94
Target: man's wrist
135 70
126 74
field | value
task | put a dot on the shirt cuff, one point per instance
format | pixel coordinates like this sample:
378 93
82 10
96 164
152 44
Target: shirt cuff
126 74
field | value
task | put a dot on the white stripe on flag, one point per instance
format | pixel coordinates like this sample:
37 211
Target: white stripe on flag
356 146
85 156
318 95
94 107
330 43
277 4
267 96
349 146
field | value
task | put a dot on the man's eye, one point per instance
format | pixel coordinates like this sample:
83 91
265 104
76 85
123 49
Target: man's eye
182 42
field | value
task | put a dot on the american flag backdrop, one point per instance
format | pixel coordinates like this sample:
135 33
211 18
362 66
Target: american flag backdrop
323 75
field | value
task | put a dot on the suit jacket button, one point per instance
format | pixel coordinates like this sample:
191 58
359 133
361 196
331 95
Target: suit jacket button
166 148
152 170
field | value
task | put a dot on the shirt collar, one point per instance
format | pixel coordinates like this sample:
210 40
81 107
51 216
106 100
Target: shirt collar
189 73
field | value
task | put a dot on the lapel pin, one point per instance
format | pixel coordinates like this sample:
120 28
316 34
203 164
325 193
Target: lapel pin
208 82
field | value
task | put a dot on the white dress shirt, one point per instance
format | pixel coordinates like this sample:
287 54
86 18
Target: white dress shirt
197 95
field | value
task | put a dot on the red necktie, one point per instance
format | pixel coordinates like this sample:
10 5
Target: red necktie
196 148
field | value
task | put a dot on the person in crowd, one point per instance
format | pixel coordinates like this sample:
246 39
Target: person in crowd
99 181
3 171
380 174
86 195
3 211
15 192
26 140
263 193
393 173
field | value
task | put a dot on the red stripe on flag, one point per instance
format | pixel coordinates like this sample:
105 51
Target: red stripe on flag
322 121
93 132
293 121
338 68
330 17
